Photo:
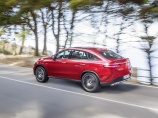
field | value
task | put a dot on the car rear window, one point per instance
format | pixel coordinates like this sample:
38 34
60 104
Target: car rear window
110 54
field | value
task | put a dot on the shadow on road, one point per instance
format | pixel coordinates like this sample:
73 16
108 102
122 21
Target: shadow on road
107 89
119 88
65 82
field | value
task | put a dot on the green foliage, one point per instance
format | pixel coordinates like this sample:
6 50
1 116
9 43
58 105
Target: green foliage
11 16
151 10
5 13
80 3
144 11
126 11
22 34
2 45
5 52
11 2
133 1
3 42
155 9
2 32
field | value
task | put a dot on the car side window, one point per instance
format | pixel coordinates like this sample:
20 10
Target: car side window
92 57
77 54
63 54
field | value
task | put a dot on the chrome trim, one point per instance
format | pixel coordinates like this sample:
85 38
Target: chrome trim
121 63
64 78
115 83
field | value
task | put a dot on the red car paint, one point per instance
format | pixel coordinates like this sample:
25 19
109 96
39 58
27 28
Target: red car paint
107 69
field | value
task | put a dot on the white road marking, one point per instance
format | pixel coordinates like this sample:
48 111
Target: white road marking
123 82
81 94
6 72
148 86
6 65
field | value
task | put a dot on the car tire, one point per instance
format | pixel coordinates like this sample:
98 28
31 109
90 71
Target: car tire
90 82
41 74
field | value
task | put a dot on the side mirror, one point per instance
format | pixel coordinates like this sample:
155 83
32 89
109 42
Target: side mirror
53 57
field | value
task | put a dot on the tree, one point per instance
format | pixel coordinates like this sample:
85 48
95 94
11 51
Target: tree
148 14
27 12
69 26
3 42
22 37
45 19
2 31
125 13
56 13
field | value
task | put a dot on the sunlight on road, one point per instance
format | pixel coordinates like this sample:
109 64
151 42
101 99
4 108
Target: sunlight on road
31 110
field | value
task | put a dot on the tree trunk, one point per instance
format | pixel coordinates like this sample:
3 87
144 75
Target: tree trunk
118 37
45 41
72 27
35 33
44 52
3 48
36 44
23 40
69 32
21 48
67 38
59 18
150 70
57 34
150 41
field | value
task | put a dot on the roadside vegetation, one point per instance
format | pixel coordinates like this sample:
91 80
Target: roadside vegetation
33 18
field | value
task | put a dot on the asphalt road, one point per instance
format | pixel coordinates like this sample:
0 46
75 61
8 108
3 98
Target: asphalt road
21 96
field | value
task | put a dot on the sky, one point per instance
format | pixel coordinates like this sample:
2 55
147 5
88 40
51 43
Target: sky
137 57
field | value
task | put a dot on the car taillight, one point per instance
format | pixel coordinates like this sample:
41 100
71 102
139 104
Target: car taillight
128 63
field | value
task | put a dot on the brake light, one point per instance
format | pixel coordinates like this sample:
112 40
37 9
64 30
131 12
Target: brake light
128 64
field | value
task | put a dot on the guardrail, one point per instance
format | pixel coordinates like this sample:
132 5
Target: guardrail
135 76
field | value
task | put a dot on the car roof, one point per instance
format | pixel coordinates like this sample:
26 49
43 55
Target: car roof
93 49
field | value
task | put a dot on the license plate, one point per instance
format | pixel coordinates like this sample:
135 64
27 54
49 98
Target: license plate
126 77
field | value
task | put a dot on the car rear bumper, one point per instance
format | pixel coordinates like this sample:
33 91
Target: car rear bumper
115 81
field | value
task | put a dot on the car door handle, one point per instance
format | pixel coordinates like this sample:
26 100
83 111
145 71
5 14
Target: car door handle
82 64
64 62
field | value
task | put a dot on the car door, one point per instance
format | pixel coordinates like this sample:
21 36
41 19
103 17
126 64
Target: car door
79 61
74 66
58 65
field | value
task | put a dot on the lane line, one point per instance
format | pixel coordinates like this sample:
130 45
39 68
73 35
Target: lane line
123 82
148 86
7 65
24 71
81 94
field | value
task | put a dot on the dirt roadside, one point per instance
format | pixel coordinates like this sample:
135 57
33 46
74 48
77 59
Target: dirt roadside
19 60
28 61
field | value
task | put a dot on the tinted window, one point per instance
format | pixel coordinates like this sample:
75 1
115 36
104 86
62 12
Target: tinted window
63 54
110 54
92 57
77 54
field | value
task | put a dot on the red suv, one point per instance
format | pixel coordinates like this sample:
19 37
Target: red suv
93 67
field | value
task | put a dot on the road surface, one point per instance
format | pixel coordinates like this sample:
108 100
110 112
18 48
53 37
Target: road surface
21 96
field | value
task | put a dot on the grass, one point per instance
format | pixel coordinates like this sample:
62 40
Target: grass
5 52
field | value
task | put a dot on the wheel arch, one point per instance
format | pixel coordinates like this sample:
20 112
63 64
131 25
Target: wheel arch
89 71
41 66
